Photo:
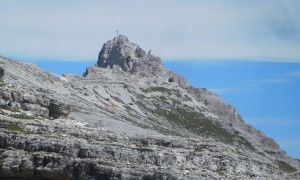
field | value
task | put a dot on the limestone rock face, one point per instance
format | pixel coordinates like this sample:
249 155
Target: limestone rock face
133 59
64 127
129 56
29 103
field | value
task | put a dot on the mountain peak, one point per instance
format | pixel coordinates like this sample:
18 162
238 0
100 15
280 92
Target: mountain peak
133 59
111 124
121 38
129 56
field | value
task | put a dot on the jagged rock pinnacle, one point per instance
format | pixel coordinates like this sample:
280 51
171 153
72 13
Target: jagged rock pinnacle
68 127
129 56
133 59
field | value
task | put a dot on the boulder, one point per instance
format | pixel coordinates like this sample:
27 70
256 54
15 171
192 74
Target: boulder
58 109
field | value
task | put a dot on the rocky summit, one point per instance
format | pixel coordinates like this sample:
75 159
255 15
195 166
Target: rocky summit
126 118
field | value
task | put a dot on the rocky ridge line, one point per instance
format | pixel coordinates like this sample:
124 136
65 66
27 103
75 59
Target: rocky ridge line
159 128
133 59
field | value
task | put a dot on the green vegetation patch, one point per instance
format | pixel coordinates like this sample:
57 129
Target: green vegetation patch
283 166
163 98
15 113
15 127
2 83
159 89
194 121
8 109
182 116
4 107
187 98
50 118
221 173
21 116
199 124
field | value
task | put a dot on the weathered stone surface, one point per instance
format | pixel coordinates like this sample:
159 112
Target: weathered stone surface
34 104
159 128
5 95
68 153
16 96
29 98
35 109
133 59
232 121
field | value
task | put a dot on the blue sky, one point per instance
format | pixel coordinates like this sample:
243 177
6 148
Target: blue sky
247 52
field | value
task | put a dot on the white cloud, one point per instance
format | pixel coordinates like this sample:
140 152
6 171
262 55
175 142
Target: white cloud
173 29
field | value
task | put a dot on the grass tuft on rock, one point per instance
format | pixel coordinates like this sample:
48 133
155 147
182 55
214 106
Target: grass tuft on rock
15 127
2 83
21 116
199 124
285 167
159 89
4 107
182 116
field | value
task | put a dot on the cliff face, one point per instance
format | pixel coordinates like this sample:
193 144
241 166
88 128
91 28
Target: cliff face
130 57
64 127
133 59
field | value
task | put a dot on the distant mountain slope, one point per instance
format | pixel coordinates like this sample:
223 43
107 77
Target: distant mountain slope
65 127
